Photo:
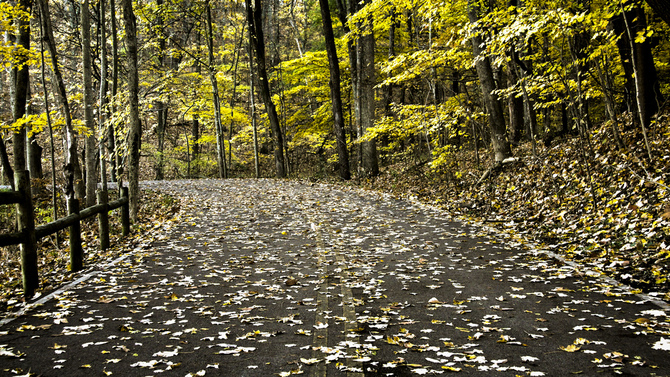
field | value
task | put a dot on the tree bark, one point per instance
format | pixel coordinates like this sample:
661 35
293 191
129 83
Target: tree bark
367 97
161 107
111 134
6 165
637 59
252 106
220 141
515 106
662 9
47 110
344 12
34 158
335 92
161 124
103 94
135 132
496 118
71 159
20 82
91 147
256 39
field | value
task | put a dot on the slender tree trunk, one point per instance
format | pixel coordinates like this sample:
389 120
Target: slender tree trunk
256 32
115 159
135 133
238 53
91 145
103 94
515 106
160 107
71 158
388 94
161 123
49 124
195 153
252 105
609 102
367 98
496 118
220 140
335 92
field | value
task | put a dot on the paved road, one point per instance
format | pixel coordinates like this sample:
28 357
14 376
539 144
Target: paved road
266 278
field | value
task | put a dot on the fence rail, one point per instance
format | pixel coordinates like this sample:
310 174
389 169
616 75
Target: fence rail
28 234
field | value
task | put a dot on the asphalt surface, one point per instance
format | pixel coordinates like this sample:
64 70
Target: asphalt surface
266 278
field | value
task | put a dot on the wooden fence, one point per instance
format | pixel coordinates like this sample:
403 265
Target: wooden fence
28 233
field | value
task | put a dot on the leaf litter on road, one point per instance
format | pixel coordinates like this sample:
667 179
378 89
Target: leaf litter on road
314 276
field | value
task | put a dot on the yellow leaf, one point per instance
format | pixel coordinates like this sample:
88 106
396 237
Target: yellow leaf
571 348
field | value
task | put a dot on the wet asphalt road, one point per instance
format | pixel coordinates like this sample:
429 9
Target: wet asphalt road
266 278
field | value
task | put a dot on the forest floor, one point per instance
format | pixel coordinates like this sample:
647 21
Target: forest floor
272 277
593 203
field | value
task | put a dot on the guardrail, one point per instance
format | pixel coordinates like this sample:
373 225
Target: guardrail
28 234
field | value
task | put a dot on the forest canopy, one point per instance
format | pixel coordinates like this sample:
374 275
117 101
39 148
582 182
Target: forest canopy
122 91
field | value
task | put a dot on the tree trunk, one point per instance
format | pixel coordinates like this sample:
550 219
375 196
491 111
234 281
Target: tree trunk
34 158
344 12
515 106
220 140
256 39
115 159
159 106
388 93
103 94
195 153
52 148
71 158
135 132
91 145
252 106
161 123
496 118
20 82
335 92
662 9
367 98
638 62
6 165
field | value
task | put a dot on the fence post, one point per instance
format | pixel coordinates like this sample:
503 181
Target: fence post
125 213
26 218
103 221
76 251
